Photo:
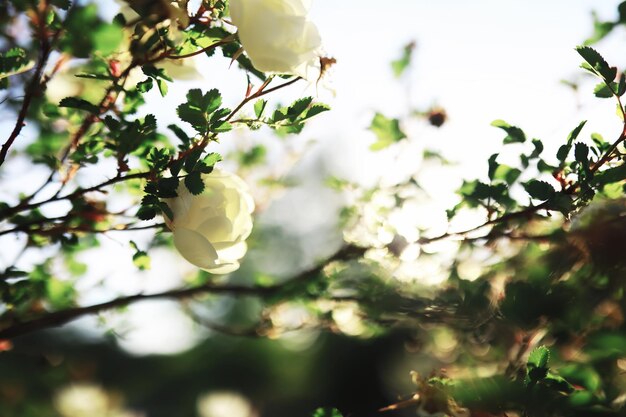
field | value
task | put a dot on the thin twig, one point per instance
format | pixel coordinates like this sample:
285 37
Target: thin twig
61 317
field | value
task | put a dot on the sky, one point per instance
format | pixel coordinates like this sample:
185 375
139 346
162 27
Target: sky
480 60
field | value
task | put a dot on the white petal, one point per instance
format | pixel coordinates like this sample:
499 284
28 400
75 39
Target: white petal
195 248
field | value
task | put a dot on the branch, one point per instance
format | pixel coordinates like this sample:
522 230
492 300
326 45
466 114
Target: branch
260 92
33 86
62 317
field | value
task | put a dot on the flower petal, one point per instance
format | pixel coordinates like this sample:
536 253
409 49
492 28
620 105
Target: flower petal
195 248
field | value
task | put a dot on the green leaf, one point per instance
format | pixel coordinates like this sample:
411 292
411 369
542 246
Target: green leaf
145 85
180 134
194 183
192 158
400 65
106 38
539 190
386 130
493 165
140 258
212 158
166 210
14 61
315 109
259 107
514 133
602 90
146 212
610 175
167 187
198 108
162 87
298 107
600 30
563 151
597 63
507 174
80 104
539 357
581 153
538 144
558 383
538 363
256 155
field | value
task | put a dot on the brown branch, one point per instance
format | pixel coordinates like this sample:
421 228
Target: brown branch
33 86
199 51
59 318
259 93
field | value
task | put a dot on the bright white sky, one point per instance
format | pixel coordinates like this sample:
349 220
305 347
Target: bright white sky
480 60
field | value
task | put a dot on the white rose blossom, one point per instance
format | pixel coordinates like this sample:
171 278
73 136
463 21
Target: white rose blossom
278 36
210 229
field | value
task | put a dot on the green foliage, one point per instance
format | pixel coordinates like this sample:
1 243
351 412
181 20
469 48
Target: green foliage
549 245
514 133
13 62
387 131
203 113
400 65
326 412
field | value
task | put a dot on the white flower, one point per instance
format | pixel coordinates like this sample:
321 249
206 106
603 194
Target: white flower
278 36
210 229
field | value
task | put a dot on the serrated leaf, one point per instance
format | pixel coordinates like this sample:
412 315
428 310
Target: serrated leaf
191 158
514 133
539 190
146 212
194 183
597 63
539 357
298 107
167 187
581 153
386 130
212 159
80 104
176 166
198 108
315 109
603 91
